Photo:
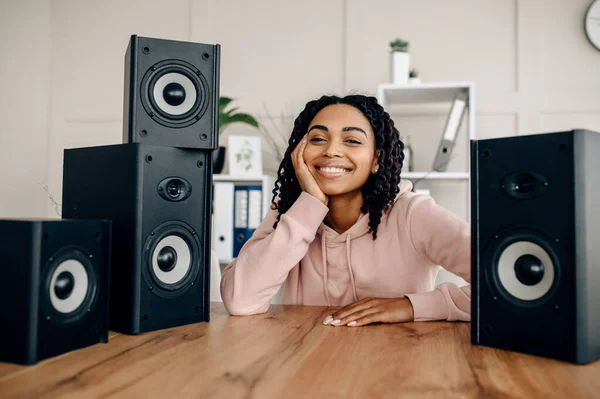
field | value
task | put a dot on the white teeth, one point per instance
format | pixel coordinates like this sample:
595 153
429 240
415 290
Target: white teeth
333 170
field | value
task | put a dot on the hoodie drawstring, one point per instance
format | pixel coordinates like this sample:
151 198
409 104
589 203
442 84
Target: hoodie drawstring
325 279
350 268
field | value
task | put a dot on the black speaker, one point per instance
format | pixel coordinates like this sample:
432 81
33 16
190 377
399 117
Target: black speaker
158 199
55 277
171 93
535 204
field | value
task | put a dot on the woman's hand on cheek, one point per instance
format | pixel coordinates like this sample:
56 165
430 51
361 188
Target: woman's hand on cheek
372 310
305 179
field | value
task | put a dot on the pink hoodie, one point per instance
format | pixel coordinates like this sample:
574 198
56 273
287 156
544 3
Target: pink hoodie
318 266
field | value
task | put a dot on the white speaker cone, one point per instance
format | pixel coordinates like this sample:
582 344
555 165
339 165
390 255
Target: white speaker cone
183 262
80 286
188 87
508 276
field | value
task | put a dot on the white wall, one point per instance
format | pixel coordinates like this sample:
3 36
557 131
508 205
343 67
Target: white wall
62 70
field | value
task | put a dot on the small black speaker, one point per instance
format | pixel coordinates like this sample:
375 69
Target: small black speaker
158 199
55 277
171 93
535 204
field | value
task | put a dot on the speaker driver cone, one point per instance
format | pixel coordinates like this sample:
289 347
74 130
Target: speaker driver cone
70 284
174 93
524 267
172 257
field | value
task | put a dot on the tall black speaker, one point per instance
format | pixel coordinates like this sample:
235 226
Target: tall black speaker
536 261
54 287
171 93
158 199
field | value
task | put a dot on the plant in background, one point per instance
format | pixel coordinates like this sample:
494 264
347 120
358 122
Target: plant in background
414 73
399 45
229 116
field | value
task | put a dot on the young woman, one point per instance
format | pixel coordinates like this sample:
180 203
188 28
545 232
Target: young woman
347 232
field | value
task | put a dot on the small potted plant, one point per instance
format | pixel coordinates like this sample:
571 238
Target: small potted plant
400 61
228 116
413 76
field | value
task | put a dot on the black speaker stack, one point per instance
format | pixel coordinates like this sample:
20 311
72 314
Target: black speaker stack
132 250
535 259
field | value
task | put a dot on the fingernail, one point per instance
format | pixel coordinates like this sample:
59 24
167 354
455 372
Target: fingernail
351 324
328 320
336 322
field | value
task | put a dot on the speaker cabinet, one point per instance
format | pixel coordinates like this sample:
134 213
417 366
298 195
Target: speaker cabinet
55 277
171 93
158 199
535 257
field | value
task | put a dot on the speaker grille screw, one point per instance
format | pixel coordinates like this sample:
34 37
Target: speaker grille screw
146 50
148 158
91 256
205 56
150 288
200 164
557 240
143 133
203 136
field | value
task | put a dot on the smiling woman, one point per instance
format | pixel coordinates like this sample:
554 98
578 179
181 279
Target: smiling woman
346 231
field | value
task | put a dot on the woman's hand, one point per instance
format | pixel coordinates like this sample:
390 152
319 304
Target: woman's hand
306 180
372 310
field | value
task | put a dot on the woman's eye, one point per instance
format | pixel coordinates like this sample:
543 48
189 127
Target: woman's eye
351 141
316 139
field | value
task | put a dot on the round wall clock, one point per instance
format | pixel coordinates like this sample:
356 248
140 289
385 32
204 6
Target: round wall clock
592 24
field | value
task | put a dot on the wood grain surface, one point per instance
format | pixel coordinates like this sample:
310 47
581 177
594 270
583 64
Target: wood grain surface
289 353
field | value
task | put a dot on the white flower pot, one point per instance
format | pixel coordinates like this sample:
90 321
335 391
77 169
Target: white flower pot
414 80
400 66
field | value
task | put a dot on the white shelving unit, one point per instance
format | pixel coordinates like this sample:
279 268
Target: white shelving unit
422 95
429 93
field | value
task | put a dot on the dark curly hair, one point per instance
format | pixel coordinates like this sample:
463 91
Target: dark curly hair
381 188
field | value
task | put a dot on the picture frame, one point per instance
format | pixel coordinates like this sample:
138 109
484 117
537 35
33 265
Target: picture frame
244 155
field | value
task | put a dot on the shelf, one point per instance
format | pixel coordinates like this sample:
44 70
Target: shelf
233 178
436 175
391 94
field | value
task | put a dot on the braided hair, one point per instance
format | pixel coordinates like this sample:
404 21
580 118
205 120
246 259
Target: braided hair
381 188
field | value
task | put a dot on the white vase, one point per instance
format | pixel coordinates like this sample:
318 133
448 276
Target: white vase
400 66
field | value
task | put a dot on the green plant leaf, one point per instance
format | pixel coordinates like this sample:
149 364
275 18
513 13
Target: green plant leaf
223 102
225 120
230 116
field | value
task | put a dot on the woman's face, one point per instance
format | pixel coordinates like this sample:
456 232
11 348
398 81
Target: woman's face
340 152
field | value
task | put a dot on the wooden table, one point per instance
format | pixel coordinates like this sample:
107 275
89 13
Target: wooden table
289 353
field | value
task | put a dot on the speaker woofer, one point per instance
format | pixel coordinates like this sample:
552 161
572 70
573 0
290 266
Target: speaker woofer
174 93
525 269
172 254
70 285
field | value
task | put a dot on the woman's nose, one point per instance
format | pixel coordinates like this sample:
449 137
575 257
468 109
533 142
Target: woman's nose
333 150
